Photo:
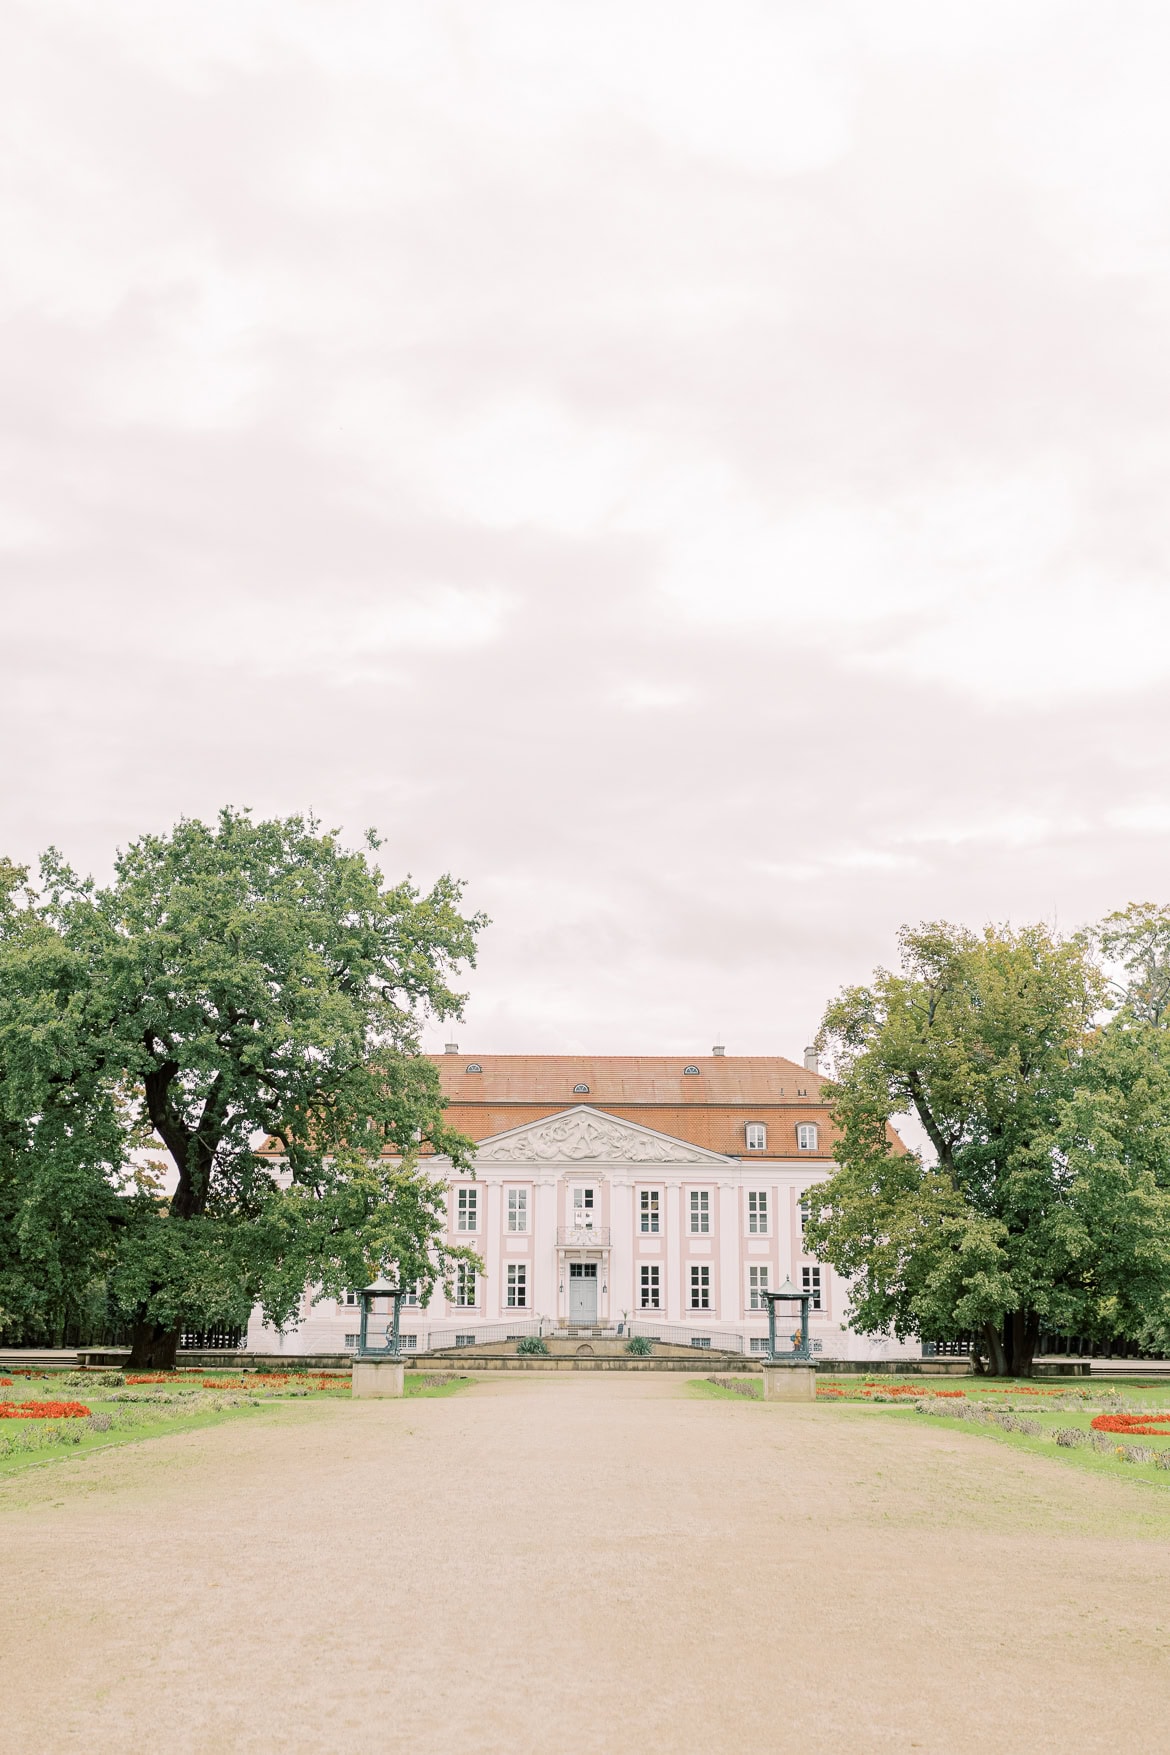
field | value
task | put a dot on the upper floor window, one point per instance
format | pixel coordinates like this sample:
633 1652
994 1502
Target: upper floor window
700 1210
803 1215
517 1209
348 1300
467 1209
409 1295
758 1211
757 1136
583 1208
806 1136
649 1209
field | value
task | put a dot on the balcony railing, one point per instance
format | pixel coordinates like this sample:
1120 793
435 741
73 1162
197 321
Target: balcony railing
583 1236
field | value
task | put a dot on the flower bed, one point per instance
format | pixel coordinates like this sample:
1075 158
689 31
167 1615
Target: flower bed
43 1411
154 1377
1139 1425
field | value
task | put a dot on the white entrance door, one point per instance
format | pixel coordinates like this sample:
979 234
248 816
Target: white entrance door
582 1291
583 1209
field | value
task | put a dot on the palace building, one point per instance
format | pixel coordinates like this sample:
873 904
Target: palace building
648 1194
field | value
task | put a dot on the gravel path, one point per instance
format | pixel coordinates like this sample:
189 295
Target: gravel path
594 1563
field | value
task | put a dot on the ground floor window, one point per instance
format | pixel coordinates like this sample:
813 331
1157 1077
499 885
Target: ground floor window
465 1285
517 1285
700 1286
757 1286
811 1278
650 1282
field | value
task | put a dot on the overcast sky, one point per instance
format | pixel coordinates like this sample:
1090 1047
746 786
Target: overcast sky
697 472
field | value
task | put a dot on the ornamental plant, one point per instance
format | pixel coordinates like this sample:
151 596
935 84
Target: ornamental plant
43 1411
533 1346
639 1346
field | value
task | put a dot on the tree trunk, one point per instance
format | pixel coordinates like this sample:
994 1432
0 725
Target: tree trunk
153 1348
1024 1333
996 1359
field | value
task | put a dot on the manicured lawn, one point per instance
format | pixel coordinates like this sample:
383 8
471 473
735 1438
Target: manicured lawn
125 1412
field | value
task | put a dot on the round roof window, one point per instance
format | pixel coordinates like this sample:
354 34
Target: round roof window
580 1090
475 1067
691 1071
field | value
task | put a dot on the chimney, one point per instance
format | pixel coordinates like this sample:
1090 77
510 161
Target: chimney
719 1049
812 1060
450 1048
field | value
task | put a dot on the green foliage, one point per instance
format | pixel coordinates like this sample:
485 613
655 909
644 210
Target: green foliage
1047 1201
533 1346
252 994
639 1346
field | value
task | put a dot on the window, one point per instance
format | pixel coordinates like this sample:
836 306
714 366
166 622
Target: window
467 1207
759 1344
351 1340
475 1067
465 1284
691 1072
517 1285
465 1340
757 1286
347 1301
583 1208
806 1136
700 1286
700 1211
409 1295
580 1090
811 1278
517 1209
408 1343
758 1213
757 1136
649 1285
803 1216
649 1209
700 1340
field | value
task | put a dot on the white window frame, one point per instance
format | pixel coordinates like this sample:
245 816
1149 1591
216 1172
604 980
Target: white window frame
806 1136
584 1212
467 1209
650 1286
756 1136
758 1212
517 1209
516 1291
802 1213
410 1342
466 1286
409 1297
758 1344
348 1301
758 1277
700 1286
700 1205
649 1211
810 1281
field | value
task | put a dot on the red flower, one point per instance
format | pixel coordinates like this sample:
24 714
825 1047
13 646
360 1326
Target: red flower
43 1411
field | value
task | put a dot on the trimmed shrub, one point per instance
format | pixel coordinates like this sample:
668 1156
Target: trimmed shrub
533 1346
1071 1437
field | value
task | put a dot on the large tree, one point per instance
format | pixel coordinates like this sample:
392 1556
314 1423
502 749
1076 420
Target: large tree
1043 1199
251 995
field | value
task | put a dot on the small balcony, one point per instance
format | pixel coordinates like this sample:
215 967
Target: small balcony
583 1236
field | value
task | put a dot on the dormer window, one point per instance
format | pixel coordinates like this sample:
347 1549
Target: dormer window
691 1072
475 1067
757 1136
806 1136
580 1090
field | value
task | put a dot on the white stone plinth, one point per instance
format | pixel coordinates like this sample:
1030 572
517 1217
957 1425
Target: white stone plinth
381 1377
790 1383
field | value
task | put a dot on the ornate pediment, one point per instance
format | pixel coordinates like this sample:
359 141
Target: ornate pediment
586 1135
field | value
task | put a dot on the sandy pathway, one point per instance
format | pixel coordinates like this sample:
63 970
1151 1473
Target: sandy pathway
596 1563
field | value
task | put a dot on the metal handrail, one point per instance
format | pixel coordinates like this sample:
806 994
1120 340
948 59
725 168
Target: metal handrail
723 1339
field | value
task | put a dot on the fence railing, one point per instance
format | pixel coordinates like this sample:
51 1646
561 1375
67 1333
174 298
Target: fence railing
468 1337
697 1337
213 1340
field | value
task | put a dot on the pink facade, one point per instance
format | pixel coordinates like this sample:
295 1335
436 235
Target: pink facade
585 1220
